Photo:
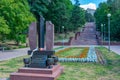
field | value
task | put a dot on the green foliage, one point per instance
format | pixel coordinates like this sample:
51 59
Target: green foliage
101 15
17 17
115 31
59 12
89 17
38 7
78 17
4 28
113 7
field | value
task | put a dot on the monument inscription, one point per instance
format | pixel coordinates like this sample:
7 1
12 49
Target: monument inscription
39 61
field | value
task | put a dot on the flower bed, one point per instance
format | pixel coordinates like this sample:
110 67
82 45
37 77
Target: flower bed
70 52
82 55
87 55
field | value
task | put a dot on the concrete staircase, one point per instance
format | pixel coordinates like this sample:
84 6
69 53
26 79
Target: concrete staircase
87 36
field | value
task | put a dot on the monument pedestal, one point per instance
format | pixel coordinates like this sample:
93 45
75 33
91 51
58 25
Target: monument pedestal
37 73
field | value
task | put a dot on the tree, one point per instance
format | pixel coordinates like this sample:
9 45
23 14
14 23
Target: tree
115 25
101 15
4 28
59 13
39 7
77 2
17 16
89 17
113 7
78 16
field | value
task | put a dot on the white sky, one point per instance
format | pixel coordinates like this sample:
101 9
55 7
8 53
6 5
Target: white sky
90 5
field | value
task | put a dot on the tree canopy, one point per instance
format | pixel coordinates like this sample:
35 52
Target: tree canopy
16 15
113 7
15 18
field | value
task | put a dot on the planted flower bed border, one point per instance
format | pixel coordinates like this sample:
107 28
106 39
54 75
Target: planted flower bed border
87 55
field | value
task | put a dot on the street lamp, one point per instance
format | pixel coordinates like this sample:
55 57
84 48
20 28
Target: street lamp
63 36
102 33
109 15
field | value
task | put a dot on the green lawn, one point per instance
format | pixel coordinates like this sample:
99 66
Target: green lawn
58 48
9 66
76 70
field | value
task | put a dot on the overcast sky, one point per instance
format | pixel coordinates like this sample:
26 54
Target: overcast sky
93 4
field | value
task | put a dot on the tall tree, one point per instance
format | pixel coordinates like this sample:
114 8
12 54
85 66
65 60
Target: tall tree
89 17
101 15
39 7
59 13
78 16
113 7
17 16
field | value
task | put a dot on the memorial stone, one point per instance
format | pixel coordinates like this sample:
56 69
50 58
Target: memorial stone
32 35
49 35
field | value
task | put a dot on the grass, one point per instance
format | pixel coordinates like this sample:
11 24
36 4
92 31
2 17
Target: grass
58 48
76 71
9 66
70 52
93 71
60 36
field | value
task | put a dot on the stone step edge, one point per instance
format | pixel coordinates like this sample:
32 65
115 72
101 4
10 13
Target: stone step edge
39 70
49 76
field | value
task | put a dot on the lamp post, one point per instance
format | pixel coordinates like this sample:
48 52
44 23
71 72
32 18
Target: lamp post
109 15
63 35
102 33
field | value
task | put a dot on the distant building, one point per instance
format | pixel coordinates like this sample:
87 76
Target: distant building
91 11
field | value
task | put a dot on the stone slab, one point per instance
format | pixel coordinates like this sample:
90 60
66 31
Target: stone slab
49 35
26 74
32 35
39 70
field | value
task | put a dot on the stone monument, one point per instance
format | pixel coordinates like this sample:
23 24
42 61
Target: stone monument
49 35
32 35
42 64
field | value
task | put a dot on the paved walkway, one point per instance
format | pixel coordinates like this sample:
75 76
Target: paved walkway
87 37
9 54
115 49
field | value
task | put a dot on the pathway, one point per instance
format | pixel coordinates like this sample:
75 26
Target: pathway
115 49
87 37
9 54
